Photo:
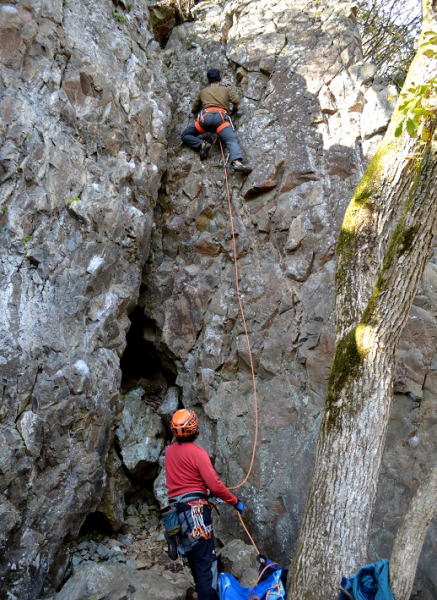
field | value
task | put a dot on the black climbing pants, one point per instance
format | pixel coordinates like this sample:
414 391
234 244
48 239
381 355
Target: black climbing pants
203 564
212 120
197 541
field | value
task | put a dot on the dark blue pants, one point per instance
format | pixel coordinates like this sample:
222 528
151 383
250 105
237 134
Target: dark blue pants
200 552
203 564
212 120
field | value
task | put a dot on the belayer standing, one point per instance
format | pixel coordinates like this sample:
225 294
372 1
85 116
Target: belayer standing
212 109
190 477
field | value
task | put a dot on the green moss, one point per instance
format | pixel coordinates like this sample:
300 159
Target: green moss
401 242
371 304
358 212
363 195
346 362
119 16
345 250
368 183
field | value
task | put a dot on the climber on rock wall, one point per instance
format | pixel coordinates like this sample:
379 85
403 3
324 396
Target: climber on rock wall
212 108
190 477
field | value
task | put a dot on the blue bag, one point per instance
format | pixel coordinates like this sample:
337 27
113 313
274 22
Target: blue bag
269 586
371 582
170 520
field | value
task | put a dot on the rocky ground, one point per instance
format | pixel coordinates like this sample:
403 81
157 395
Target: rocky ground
131 563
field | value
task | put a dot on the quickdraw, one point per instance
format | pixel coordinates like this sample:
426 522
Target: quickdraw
199 527
226 122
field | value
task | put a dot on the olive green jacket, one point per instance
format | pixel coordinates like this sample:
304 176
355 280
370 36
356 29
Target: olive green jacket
215 95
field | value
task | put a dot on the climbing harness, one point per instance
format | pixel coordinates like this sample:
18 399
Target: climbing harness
226 119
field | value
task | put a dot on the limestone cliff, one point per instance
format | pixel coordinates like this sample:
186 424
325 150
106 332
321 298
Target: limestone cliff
98 196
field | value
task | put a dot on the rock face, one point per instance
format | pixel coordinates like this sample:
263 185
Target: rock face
306 128
84 110
139 433
312 113
91 109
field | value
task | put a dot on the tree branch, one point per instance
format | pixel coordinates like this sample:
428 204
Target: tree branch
411 535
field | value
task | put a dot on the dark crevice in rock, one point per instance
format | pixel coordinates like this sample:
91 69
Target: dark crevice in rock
142 364
96 522
164 16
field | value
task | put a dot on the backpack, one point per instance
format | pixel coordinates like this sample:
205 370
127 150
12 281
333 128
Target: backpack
270 585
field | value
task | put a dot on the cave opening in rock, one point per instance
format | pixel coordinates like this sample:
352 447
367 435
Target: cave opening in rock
95 523
143 364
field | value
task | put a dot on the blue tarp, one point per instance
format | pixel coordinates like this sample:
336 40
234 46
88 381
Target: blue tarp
371 582
270 586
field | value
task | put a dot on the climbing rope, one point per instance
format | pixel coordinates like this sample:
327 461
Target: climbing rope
244 526
246 333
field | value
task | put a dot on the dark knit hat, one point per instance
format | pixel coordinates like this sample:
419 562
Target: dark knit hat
214 75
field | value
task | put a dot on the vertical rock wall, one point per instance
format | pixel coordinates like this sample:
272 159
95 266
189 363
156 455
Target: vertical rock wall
305 126
312 113
83 111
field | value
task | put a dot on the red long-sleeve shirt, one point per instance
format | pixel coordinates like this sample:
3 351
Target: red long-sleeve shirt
188 468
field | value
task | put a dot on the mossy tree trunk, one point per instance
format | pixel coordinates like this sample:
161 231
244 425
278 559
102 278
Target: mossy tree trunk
384 243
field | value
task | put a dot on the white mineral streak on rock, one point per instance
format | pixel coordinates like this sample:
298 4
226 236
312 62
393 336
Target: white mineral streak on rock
94 264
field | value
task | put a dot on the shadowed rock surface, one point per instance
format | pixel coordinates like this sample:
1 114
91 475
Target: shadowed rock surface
98 196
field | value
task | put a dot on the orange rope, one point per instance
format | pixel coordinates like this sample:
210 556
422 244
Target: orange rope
243 524
246 333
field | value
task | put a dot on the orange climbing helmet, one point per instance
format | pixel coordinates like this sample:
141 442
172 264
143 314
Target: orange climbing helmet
184 423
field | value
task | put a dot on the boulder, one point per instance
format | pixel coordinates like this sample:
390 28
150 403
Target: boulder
140 433
117 485
117 582
239 559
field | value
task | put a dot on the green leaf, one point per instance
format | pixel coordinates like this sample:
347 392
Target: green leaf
405 107
419 111
398 129
430 53
411 127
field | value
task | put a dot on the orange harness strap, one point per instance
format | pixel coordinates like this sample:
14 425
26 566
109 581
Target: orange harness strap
198 126
209 109
222 126
215 109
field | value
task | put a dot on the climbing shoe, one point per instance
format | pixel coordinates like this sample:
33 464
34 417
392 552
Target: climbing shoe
237 165
204 150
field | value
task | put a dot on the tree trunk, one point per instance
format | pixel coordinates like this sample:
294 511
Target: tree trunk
385 240
411 535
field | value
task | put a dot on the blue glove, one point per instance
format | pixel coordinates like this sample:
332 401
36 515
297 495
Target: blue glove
239 506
